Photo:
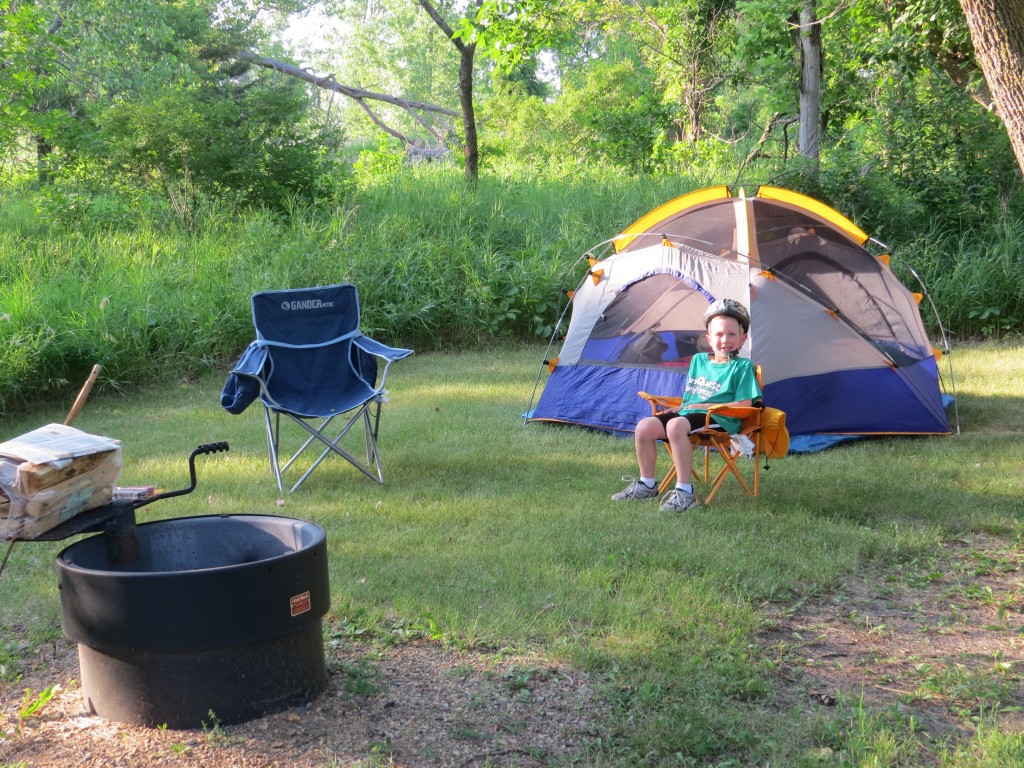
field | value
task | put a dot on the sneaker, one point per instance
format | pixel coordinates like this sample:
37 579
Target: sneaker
677 501
635 490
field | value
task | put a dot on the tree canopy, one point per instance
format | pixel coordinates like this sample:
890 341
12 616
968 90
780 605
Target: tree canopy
194 97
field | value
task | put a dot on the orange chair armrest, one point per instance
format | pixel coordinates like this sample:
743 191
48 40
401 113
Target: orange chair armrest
732 411
662 402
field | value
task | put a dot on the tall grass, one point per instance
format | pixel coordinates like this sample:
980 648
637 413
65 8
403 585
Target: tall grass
439 264
974 277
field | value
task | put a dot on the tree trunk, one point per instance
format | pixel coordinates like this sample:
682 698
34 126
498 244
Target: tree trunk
43 152
997 33
811 62
694 96
471 150
809 37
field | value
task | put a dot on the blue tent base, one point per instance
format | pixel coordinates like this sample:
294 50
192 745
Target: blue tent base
822 442
816 443
797 443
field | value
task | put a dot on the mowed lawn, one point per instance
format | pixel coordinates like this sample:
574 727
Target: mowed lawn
497 534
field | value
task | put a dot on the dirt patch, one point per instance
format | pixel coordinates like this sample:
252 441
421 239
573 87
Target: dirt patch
410 704
940 640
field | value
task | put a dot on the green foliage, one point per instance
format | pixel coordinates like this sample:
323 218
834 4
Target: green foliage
610 116
510 33
440 265
383 161
171 122
169 111
32 704
23 73
251 141
973 277
392 48
764 52
958 167
518 130
903 144
991 747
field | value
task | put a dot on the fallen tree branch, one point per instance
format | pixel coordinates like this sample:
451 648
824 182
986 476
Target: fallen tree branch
417 109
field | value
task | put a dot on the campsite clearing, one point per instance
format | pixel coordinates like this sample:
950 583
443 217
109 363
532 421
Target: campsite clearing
924 642
866 607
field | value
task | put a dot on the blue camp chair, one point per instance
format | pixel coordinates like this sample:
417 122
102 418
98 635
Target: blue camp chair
311 364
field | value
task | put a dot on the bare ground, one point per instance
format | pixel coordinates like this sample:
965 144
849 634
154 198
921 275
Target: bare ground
413 704
938 640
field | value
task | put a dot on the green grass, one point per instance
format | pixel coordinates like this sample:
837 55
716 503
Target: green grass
440 265
494 534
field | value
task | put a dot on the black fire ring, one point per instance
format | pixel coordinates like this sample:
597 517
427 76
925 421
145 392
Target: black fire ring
217 621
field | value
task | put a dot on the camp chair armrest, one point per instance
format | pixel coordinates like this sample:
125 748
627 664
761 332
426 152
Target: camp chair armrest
661 403
251 361
732 411
367 344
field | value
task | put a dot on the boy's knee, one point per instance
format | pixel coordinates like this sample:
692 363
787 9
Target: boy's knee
648 428
678 430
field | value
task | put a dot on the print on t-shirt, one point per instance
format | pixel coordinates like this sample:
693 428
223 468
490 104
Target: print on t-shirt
701 389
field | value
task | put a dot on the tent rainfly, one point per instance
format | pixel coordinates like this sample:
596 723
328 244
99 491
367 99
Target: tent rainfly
838 336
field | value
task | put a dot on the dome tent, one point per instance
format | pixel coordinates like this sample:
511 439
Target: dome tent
839 338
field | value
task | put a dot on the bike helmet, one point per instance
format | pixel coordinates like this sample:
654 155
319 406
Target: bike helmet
728 308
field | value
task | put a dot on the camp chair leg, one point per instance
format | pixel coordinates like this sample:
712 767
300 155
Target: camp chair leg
669 481
314 435
371 467
372 455
272 446
273 430
704 475
730 466
333 447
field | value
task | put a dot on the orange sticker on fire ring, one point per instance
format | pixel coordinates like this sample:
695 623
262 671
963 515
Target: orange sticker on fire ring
301 604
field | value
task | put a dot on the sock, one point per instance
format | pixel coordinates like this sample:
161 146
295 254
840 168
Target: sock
684 487
650 482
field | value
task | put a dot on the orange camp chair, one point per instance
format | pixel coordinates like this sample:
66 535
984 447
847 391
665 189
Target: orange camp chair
720 442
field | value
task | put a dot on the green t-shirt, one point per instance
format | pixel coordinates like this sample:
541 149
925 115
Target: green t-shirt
710 382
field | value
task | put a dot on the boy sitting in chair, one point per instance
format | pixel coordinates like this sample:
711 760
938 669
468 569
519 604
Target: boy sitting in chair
717 378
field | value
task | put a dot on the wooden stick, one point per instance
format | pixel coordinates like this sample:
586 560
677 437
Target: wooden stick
82 395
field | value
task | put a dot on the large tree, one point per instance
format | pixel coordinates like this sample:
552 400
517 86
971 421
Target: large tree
808 45
997 32
466 47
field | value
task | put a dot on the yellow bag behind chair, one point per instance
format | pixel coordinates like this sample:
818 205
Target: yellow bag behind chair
774 435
